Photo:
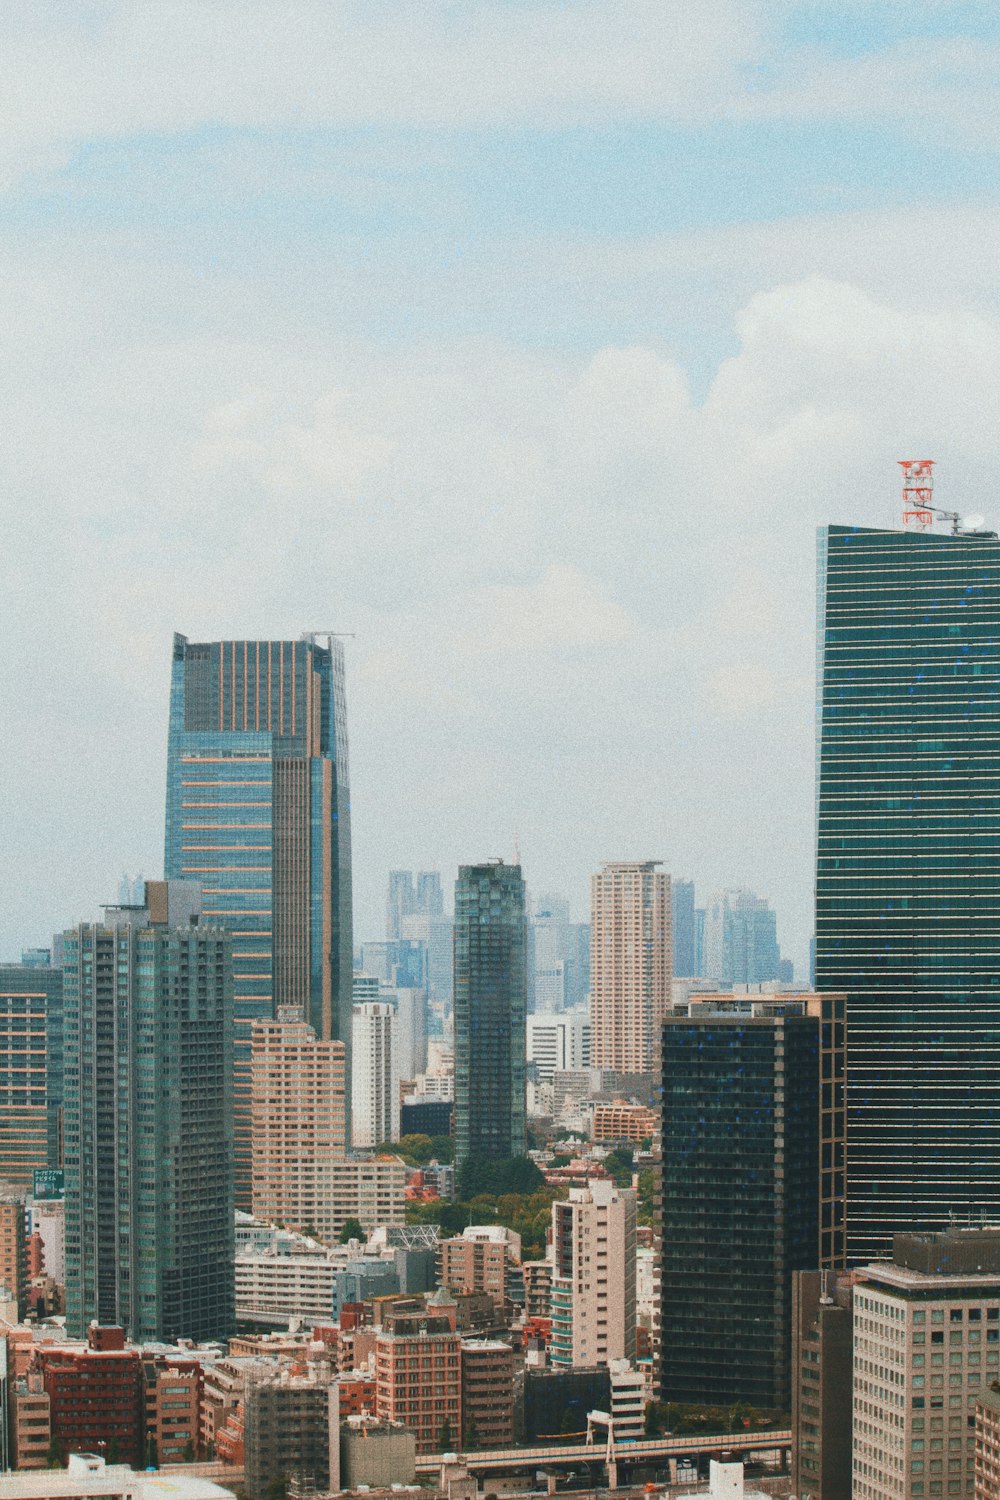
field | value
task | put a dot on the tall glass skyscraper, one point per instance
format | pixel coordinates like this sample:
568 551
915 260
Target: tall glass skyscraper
258 810
490 1012
908 869
148 1121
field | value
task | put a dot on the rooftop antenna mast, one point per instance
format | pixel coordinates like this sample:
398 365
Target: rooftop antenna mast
918 491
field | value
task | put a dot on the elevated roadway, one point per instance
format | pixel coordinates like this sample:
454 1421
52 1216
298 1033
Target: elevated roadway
645 1451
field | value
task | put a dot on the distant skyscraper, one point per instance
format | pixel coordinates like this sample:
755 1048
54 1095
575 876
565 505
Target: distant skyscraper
148 1121
741 943
630 965
683 928
752 1186
908 876
30 1070
404 899
258 809
490 1007
374 1076
436 936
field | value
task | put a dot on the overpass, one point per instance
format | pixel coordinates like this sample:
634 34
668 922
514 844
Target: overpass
643 1451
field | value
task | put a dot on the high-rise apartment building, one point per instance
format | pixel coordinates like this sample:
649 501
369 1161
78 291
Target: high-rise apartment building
926 1343
30 1071
298 1116
13 1254
908 872
592 1294
752 1183
374 1077
418 1380
490 1005
148 1143
630 965
258 810
740 939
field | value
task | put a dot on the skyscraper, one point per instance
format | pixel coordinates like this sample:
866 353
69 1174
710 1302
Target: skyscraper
908 869
630 965
404 899
752 1186
741 939
258 809
148 1121
490 1008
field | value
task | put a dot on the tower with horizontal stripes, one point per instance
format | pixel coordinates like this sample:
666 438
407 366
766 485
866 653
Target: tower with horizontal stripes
258 810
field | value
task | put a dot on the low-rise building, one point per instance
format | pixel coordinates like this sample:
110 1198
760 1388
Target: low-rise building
621 1121
419 1381
291 1432
29 1409
173 1409
480 1259
375 1454
96 1396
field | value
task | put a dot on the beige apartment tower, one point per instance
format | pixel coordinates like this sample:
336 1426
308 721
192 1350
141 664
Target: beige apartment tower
592 1295
630 965
298 1120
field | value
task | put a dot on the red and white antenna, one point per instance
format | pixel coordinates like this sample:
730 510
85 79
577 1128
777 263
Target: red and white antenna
918 492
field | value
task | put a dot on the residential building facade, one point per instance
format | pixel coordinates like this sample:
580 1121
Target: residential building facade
630 965
592 1290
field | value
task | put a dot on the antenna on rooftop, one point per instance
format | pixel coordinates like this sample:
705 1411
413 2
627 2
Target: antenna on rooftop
918 491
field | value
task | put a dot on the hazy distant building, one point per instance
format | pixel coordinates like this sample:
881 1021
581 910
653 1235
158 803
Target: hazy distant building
374 1078
148 1121
752 1186
31 1065
490 1005
408 897
741 942
258 808
435 934
630 965
592 1295
560 959
684 938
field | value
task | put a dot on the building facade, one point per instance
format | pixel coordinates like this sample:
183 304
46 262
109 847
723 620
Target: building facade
752 1187
630 965
374 1079
926 1343
822 1375
298 1117
418 1383
30 1071
908 872
490 1009
592 1291
148 1122
559 1043
258 809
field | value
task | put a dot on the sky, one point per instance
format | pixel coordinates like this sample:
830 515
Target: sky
526 341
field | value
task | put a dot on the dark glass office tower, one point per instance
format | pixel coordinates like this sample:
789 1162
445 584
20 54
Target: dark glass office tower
752 1187
148 1121
908 869
258 810
490 1009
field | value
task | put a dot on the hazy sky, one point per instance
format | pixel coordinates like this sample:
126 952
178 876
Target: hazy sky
528 341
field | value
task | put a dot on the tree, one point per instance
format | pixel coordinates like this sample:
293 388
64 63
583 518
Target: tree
277 1488
352 1230
444 1439
55 1458
471 1436
620 1163
513 1174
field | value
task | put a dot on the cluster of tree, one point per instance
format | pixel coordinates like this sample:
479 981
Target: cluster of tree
528 1214
513 1174
418 1150
677 1417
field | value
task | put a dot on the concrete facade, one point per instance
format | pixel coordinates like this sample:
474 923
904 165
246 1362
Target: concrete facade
630 965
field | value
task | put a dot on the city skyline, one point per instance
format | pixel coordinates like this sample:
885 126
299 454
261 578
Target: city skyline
538 391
